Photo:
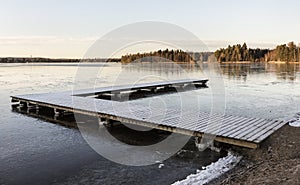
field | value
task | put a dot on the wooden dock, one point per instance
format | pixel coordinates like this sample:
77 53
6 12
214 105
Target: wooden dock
234 130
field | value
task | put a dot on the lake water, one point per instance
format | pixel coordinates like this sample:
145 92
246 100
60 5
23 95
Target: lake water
33 151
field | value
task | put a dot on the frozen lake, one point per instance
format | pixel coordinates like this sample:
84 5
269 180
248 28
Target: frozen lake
37 152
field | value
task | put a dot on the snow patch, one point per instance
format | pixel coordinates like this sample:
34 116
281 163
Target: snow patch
295 121
211 171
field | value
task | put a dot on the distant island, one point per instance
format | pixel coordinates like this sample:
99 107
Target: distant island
235 53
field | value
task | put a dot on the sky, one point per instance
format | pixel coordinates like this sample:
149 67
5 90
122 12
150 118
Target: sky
66 29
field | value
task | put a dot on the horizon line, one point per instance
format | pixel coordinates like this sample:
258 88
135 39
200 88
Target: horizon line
212 46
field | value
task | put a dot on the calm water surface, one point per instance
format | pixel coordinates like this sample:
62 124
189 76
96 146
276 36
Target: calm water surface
33 151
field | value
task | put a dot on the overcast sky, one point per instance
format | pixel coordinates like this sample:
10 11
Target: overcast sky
58 28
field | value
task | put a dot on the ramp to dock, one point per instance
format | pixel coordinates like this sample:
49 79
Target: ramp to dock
234 130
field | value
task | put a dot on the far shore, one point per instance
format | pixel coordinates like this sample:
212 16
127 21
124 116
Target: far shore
283 62
249 62
54 60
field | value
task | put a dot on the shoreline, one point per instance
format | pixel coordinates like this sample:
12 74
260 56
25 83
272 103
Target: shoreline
282 62
276 161
12 60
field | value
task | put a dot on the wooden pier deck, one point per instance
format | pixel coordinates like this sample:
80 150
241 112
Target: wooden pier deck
234 130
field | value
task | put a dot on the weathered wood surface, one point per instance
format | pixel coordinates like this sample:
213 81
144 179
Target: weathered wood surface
236 130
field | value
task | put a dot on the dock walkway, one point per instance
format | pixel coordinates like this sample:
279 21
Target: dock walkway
234 130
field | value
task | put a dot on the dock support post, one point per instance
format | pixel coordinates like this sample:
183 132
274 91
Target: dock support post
153 90
37 109
202 145
179 87
23 104
108 122
105 122
57 112
30 107
100 122
116 96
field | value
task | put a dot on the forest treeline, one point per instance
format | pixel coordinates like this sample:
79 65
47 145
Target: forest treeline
286 53
166 55
235 53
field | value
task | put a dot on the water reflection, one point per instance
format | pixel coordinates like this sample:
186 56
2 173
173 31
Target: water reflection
241 71
163 68
286 71
235 71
